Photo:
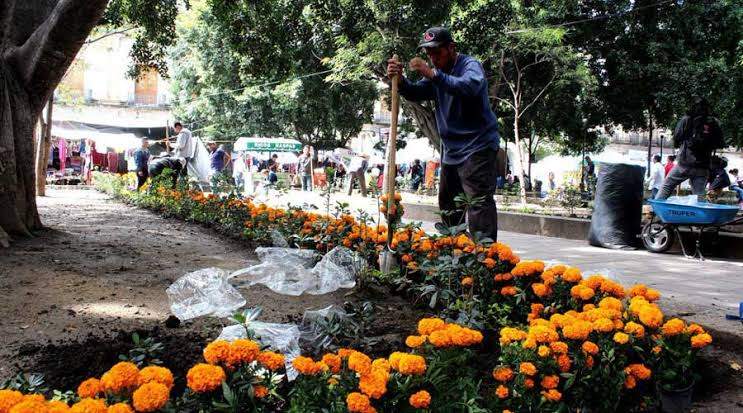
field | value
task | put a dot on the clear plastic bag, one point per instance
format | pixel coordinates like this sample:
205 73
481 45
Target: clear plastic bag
683 200
278 240
203 292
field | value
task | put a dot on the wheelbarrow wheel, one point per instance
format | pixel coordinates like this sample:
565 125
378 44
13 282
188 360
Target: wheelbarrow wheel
657 237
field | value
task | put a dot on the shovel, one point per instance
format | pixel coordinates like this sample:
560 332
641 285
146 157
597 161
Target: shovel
387 260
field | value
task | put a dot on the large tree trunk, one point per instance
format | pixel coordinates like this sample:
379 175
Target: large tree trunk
38 41
426 121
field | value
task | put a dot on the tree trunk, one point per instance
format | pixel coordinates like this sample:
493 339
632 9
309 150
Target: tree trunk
426 121
520 154
42 154
38 41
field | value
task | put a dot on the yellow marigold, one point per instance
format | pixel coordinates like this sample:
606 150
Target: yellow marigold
639 371
426 326
508 335
701 340
150 397
89 406
603 325
420 400
395 358
205 378
501 392
540 290
260 391
544 351
411 364
673 327
122 377
651 316
415 341
564 363
56 406
332 361
373 384
543 334
571 275
120 408
359 362
582 292
611 303
273 361
630 382
552 395
527 368
652 295
217 352
30 406
502 374
590 347
694 329
550 382
242 351
621 338
307 366
156 374
358 403
89 388
579 330
381 364
635 329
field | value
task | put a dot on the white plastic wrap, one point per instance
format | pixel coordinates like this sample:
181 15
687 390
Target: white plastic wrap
278 240
203 292
683 200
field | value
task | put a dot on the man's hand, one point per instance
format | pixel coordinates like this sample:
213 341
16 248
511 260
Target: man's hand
420 66
394 68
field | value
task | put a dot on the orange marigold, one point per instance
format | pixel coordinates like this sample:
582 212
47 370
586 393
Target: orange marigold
552 395
563 361
501 392
503 374
590 347
89 388
89 406
527 368
579 330
426 326
571 275
635 329
56 406
639 371
217 352
559 347
260 391
415 341
694 329
120 408
603 325
30 406
467 282
508 290
359 362
550 382
651 316
150 397
307 366
122 377
630 382
357 403
156 374
420 400
673 327
411 364
701 340
374 384
273 361
205 378
540 290
242 351
333 361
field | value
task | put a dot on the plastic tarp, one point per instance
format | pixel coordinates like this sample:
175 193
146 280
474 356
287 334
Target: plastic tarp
283 338
203 292
289 271
617 215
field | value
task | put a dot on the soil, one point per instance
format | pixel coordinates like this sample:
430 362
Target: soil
74 294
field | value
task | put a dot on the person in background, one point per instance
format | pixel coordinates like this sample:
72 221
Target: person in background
273 177
217 160
357 171
718 179
305 168
416 174
141 162
697 135
670 163
184 146
273 160
655 180
589 174
239 167
736 185
551 184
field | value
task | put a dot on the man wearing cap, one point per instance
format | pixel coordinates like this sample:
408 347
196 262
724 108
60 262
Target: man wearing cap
466 123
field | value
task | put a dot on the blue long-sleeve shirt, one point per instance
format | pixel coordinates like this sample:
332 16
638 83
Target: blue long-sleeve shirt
464 118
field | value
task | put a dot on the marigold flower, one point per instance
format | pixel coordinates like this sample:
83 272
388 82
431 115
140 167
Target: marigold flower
540 290
345 352
529 383
652 295
489 263
621 338
509 334
30 406
120 408
673 327
217 352
590 347
420 400
630 382
651 316
571 275
559 347
544 351
358 403
121 378
242 351
426 326
564 363
635 329
501 392
411 364
582 292
156 374
508 290
467 282
307 366
552 395
701 340
550 382
603 325
332 361
89 406
415 341
694 329
589 362
579 330
359 362
89 388
260 391
527 368
639 371
611 303
205 378
502 374
57 406
150 397
656 350
381 364
374 384
273 361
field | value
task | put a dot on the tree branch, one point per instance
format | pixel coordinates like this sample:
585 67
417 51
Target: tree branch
109 34
544 89
44 58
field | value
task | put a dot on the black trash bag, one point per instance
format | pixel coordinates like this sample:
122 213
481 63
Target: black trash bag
617 216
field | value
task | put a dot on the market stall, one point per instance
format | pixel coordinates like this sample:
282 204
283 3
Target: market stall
256 149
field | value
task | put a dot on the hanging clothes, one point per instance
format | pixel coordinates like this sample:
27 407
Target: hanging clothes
112 159
62 155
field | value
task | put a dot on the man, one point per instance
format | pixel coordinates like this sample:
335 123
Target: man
141 160
719 179
305 168
736 184
589 173
466 123
217 161
655 180
416 174
184 146
159 165
670 163
357 170
697 135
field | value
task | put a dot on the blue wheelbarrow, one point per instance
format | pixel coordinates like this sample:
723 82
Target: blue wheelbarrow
660 233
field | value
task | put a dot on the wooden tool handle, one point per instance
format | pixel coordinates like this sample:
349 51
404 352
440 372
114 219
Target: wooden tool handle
391 168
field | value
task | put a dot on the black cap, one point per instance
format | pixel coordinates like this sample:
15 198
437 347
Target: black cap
435 37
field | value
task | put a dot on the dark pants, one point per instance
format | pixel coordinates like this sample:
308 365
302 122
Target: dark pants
475 177
142 176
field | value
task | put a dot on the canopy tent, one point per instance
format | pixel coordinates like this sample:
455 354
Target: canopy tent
283 157
267 145
104 140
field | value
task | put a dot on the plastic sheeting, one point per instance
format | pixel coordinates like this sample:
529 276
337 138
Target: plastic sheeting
617 215
683 200
288 271
203 292
283 338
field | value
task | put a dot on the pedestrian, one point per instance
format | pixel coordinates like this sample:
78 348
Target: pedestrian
217 161
736 184
670 163
184 146
416 174
697 135
305 168
718 178
655 180
466 123
141 162
551 184
589 174
357 172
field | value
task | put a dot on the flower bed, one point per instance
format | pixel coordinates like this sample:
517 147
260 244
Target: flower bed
520 336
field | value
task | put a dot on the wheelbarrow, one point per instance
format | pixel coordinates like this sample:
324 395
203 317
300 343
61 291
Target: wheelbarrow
661 232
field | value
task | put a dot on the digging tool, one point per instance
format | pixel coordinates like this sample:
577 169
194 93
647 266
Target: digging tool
387 259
